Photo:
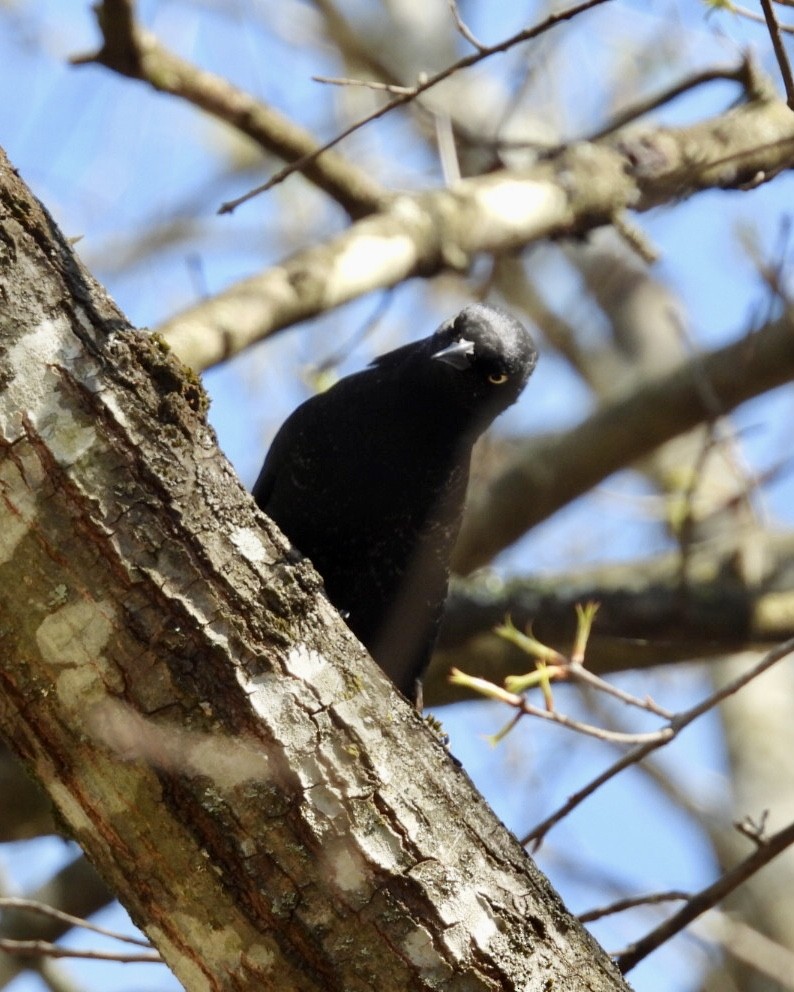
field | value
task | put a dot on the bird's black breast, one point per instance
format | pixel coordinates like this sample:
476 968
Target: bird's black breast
367 482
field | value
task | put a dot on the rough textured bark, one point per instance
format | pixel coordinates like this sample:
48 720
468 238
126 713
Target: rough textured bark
205 725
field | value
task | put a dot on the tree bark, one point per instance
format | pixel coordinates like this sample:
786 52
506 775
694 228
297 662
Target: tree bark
245 779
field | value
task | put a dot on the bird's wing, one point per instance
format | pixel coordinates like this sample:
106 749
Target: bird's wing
263 487
266 480
289 447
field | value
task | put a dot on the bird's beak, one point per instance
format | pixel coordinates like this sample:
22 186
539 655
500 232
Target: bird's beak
458 354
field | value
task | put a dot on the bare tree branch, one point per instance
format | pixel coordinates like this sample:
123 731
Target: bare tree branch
574 191
774 29
547 472
71 921
705 899
41 948
679 722
463 28
133 52
740 74
632 902
420 87
74 892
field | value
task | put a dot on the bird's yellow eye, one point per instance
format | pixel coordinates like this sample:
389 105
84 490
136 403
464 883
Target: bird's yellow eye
498 378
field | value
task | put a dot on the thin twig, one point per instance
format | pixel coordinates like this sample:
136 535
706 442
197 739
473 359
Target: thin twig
780 49
632 902
421 87
706 899
370 84
636 754
43 948
557 666
751 15
33 906
642 107
463 28
535 836
655 738
519 703
581 674
754 831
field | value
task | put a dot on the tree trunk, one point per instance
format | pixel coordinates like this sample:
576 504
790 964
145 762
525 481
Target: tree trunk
247 782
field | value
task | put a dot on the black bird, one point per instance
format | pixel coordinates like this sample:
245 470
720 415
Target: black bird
369 478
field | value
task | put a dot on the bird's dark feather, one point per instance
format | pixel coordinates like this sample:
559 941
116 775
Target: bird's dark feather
368 479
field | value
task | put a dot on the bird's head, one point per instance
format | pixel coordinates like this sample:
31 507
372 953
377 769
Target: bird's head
483 358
